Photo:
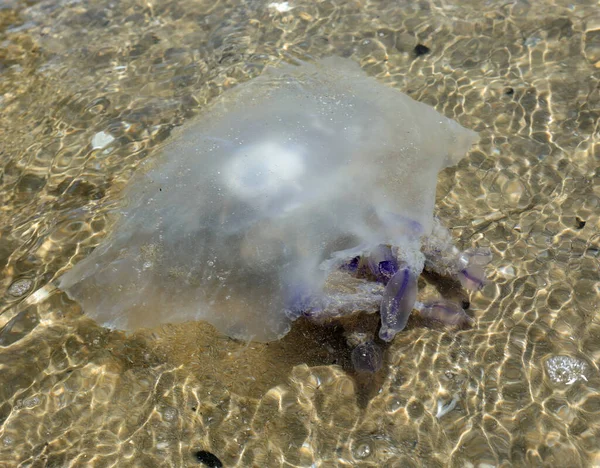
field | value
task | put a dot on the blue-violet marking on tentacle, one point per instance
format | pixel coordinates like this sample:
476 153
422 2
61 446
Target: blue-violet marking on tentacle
367 357
398 300
382 263
340 258
446 312
472 269
387 269
472 278
300 302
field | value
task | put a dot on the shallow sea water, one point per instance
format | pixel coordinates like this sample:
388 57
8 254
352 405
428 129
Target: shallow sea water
89 89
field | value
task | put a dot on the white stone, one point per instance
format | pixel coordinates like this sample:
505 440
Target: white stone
101 140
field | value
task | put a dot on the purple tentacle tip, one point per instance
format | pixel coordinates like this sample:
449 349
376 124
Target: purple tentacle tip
367 357
397 303
382 263
387 269
446 312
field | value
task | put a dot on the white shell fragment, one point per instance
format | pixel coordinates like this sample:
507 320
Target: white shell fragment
101 140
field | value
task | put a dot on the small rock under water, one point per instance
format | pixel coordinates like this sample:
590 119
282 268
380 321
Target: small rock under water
208 459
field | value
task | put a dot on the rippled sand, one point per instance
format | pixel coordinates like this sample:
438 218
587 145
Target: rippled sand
89 89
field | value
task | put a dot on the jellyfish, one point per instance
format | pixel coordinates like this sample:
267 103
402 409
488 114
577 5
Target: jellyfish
305 192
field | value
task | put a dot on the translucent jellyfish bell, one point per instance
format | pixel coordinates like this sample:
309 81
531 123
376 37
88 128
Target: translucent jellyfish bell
241 220
265 174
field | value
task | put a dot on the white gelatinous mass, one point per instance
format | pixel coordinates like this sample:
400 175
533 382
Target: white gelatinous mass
244 216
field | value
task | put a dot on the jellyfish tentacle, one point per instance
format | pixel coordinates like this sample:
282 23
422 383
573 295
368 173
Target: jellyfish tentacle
444 311
367 357
382 263
397 303
472 268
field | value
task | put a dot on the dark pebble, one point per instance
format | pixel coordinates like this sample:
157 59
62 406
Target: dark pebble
579 223
509 91
421 49
208 459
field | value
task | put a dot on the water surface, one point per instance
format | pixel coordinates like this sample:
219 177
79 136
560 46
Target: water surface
89 89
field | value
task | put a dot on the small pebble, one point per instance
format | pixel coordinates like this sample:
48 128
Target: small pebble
208 459
101 140
395 405
170 414
532 41
281 7
421 49
20 287
362 451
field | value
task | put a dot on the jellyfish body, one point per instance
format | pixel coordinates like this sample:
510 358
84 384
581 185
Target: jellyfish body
245 217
